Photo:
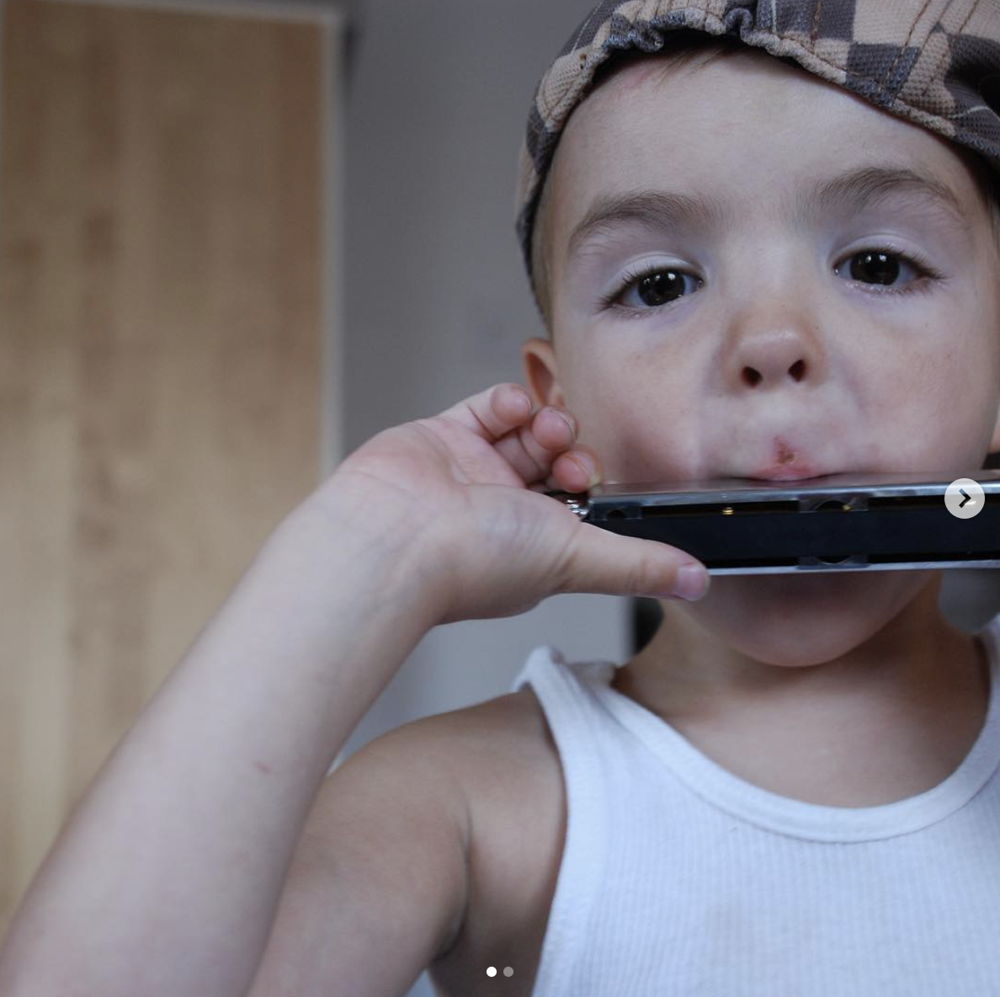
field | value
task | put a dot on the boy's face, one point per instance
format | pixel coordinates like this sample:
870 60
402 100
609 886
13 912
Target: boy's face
768 342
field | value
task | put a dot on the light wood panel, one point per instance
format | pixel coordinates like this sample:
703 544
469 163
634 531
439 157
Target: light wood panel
161 268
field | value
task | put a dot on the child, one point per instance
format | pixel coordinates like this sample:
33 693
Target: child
774 257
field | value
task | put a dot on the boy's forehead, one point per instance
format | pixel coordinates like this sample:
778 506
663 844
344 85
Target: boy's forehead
937 67
642 100
740 131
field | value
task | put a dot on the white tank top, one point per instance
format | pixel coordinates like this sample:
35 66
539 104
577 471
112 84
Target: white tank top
680 879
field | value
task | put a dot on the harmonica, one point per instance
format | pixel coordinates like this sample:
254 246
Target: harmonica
840 522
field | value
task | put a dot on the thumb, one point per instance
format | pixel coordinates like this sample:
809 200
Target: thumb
609 564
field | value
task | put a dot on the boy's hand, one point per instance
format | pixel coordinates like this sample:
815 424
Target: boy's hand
466 487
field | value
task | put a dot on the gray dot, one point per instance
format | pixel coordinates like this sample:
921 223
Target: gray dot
507 971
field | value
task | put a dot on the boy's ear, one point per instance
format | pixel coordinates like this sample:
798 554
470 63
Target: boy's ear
541 372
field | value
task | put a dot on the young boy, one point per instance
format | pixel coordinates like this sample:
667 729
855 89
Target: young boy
746 270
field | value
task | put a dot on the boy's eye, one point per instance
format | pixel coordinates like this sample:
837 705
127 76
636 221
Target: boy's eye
876 266
661 285
653 287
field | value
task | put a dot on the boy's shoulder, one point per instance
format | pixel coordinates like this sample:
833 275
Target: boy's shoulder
503 740
508 771
512 725
492 738
503 756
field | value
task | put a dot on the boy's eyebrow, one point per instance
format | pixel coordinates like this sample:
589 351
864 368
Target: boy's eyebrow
855 189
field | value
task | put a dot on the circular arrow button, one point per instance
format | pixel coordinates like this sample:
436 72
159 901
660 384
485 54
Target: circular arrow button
964 498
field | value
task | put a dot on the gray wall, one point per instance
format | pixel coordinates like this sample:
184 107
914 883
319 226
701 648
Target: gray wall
437 303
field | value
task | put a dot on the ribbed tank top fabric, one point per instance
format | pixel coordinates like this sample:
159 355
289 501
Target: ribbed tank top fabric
679 878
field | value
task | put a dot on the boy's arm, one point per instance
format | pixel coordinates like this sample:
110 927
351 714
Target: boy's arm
166 878
378 886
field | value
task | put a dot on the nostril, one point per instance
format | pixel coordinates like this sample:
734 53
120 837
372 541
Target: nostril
796 370
752 376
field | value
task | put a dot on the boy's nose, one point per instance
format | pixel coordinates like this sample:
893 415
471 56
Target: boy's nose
774 325
771 355
753 376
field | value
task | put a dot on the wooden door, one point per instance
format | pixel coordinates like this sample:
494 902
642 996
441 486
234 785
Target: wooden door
161 361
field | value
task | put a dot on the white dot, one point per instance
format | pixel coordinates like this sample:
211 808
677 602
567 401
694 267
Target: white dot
507 971
491 971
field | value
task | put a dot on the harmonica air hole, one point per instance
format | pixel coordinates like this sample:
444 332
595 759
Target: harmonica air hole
723 509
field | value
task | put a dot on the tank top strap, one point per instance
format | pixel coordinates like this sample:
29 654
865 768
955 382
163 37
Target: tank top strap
575 719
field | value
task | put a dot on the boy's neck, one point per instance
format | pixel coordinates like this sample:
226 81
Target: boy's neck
685 668
904 707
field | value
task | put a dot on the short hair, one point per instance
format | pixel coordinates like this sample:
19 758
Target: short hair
682 47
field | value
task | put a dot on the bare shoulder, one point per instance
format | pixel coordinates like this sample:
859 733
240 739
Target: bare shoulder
507 769
478 747
513 724
482 745
501 755
462 747
489 774
430 846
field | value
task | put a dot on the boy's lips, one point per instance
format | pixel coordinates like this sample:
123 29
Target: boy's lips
788 463
784 474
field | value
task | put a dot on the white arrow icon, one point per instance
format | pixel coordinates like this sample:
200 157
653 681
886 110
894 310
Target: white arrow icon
964 498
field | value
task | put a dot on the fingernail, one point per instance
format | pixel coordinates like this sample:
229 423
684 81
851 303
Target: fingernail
567 419
692 582
523 398
586 469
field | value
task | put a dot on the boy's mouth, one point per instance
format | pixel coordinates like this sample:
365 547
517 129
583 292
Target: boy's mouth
787 465
784 474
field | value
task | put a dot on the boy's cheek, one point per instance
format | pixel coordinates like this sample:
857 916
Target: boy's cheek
633 418
637 443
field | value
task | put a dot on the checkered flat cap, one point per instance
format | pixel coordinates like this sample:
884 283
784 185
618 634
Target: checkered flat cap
932 62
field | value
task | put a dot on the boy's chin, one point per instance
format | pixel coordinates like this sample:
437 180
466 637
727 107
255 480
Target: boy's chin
807 586
804 619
